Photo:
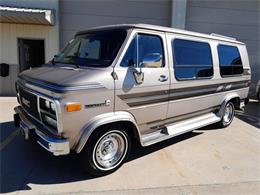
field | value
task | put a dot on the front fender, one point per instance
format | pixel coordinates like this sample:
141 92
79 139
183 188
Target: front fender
100 120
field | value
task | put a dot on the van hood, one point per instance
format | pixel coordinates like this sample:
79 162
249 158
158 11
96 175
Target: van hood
62 76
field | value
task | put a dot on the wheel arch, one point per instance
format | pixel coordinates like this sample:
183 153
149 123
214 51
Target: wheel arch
234 98
116 118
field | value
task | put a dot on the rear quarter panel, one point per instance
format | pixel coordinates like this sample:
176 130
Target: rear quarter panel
197 103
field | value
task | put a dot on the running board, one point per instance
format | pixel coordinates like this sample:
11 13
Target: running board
179 128
191 124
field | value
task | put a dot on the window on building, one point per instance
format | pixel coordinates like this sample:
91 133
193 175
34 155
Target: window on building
144 47
229 60
192 59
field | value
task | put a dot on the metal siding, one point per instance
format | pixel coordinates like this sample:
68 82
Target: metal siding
80 15
239 19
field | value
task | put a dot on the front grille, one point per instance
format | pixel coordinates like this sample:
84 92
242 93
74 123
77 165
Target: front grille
48 113
29 102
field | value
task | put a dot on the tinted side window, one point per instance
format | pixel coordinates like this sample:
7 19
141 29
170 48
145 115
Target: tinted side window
229 60
192 59
142 48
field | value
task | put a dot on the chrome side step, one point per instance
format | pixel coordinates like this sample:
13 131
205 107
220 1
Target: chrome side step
179 128
191 124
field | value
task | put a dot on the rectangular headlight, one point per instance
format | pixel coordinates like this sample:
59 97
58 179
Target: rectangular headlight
50 121
47 106
48 112
53 107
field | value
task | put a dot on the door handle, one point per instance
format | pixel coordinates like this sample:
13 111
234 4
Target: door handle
163 78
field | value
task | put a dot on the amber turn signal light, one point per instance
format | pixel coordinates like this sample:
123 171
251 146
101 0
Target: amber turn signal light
73 107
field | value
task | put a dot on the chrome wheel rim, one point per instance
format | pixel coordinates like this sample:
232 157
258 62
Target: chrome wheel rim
228 114
110 150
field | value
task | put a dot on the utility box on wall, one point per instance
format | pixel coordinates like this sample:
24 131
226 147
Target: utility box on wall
4 70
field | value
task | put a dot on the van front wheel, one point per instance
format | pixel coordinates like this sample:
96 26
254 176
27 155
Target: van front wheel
106 150
228 115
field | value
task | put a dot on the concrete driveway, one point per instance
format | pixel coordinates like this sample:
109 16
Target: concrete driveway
205 161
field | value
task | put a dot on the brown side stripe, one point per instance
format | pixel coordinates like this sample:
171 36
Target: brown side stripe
140 99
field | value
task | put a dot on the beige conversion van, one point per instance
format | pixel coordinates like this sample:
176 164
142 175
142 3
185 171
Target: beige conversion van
113 85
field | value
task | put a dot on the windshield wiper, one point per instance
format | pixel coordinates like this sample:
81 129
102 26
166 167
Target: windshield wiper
76 65
73 57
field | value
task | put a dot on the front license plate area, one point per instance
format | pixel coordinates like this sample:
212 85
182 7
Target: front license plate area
24 131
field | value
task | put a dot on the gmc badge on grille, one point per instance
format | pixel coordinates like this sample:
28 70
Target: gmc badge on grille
26 102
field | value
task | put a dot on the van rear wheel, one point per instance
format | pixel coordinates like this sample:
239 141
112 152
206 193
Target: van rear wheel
106 150
228 115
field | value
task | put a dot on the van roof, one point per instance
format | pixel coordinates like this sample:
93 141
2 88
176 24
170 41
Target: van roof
163 29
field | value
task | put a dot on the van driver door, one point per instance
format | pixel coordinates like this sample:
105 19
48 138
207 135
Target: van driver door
143 79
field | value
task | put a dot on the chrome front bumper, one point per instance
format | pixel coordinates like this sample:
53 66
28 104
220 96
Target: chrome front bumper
56 146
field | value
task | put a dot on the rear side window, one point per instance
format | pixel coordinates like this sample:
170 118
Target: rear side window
192 59
229 60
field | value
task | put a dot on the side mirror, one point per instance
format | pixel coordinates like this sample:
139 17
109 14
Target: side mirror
152 60
139 77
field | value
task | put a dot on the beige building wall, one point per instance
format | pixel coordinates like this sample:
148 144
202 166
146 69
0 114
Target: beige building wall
10 33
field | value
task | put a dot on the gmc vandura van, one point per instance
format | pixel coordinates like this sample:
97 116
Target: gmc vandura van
117 84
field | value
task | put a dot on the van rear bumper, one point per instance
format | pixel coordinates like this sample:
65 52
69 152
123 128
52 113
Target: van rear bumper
56 146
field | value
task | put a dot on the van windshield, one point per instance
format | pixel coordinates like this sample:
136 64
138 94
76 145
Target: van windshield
95 49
